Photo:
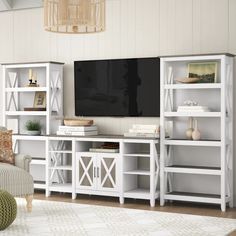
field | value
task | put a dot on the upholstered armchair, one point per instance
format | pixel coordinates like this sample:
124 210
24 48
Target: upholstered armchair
16 179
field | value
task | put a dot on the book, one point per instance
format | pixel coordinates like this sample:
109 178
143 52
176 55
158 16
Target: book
147 131
193 108
78 133
77 128
145 127
110 150
35 109
77 122
141 135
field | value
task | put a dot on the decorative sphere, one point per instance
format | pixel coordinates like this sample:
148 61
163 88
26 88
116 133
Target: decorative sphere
8 209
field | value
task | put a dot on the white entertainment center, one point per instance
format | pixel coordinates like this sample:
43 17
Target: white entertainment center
188 169
110 174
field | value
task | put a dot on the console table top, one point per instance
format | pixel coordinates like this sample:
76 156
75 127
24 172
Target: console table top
206 54
34 62
99 136
104 136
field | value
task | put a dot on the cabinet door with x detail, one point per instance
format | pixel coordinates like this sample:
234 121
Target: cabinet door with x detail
107 176
86 171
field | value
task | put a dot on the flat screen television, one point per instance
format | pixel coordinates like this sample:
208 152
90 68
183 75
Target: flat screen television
118 87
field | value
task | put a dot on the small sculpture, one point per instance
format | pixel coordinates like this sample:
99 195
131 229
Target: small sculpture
190 103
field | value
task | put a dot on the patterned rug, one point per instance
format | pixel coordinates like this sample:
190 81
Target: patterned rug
68 219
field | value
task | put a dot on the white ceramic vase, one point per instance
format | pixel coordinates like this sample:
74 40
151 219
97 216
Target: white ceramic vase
196 135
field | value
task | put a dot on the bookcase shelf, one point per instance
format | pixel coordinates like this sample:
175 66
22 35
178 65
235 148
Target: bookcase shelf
194 197
26 113
39 185
205 170
136 155
26 89
207 143
59 187
140 193
177 154
17 96
193 86
137 172
192 114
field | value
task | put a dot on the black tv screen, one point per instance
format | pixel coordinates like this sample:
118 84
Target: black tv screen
119 87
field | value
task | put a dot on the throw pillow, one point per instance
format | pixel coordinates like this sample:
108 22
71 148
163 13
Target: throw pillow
6 153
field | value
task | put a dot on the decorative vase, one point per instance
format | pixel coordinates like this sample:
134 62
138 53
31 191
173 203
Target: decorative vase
196 135
189 131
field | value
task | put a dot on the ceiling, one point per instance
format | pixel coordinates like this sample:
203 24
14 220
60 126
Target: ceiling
8 5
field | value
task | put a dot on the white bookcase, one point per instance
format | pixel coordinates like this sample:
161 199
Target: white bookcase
17 96
198 171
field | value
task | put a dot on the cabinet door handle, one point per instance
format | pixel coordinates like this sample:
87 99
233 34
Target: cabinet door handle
94 172
97 172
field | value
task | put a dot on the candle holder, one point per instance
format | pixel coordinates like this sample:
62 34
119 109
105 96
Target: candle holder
32 79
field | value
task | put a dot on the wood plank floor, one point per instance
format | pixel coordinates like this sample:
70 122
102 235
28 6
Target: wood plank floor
175 207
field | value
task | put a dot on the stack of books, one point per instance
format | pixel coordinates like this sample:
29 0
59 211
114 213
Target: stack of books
193 109
77 130
107 148
145 131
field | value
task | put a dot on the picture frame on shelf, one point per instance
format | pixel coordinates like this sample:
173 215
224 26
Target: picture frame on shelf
40 100
206 72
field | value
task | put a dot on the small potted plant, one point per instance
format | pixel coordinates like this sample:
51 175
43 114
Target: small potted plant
33 127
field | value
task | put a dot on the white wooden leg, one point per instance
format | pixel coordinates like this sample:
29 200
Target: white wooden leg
29 199
122 200
74 195
162 202
152 202
223 207
48 193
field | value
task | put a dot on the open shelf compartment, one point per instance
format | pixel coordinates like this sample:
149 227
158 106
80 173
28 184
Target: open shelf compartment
193 197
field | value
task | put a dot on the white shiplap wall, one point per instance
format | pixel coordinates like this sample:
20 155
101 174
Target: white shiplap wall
134 28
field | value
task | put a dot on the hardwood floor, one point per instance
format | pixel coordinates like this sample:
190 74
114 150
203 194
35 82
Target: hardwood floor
175 207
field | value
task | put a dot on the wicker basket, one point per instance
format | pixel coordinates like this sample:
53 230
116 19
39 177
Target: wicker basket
77 122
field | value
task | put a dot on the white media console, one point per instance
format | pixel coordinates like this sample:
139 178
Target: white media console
72 168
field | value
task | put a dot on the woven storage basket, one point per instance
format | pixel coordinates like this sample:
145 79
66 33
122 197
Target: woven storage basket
8 209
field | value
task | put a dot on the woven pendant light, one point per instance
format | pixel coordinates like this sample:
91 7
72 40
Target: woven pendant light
74 16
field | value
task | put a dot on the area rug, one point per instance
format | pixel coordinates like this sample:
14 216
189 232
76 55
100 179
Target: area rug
69 219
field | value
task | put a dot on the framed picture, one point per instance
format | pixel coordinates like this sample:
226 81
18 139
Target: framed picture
205 72
40 100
